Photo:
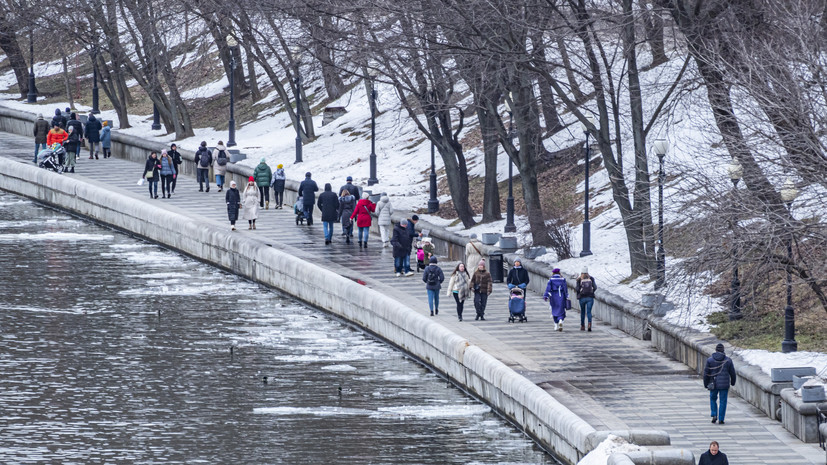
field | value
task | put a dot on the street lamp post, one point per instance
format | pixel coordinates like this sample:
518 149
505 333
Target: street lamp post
95 95
31 97
295 51
788 195
736 171
510 227
231 42
156 118
433 202
372 179
587 227
661 147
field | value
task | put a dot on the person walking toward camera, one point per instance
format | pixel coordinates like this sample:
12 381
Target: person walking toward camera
557 294
233 199
250 203
152 169
584 288
176 162
713 456
482 284
460 287
719 375
433 278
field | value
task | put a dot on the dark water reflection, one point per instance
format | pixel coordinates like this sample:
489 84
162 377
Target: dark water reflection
92 374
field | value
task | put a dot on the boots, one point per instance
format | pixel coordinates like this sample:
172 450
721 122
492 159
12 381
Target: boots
267 205
582 328
360 244
590 326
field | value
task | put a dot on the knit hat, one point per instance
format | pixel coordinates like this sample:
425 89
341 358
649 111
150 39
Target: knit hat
279 166
40 116
719 348
585 270
263 160
481 263
307 175
349 178
252 179
105 123
518 261
415 217
433 260
473 235
232 184
555 271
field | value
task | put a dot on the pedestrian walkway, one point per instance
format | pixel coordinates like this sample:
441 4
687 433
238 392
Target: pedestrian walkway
611 380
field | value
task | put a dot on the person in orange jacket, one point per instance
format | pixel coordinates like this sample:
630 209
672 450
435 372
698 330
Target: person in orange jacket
56 136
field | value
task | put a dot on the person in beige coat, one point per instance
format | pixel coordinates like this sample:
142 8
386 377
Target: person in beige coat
221 158
473 250
250 199
460 287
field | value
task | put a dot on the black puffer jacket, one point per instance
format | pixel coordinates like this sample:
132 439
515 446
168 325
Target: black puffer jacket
517 276
329 205
719 370
401 241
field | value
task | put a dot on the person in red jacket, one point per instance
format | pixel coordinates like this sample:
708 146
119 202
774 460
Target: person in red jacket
362 214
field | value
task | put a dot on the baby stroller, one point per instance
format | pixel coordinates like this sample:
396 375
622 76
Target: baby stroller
516 306
48 158
298 209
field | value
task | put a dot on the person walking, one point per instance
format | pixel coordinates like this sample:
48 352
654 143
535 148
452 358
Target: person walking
233 199
92 132
329 206
74 123
713 456
41 132
347 203
363 219
719 375
106 140
584 289
517 276
277 182
401 243
250 203
384 210
151 174
220 160
460 287
473 249
176 162
59 120
203 160
354 190
167 173
72 146
307 191
482 285
433 278
262 173
557 294
57 136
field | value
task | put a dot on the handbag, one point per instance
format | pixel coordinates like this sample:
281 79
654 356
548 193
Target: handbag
568 304
149 175
711 385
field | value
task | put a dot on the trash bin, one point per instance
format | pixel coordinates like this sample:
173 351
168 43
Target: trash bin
495 267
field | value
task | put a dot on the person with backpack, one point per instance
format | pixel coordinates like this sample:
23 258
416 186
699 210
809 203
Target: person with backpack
307 191
433 278
329 206
719 375
41 132
106 140
584 288
92 132
277 183
482 285
460 287
557 294
233 199
177 160
262 173
220 160
362 212
203 160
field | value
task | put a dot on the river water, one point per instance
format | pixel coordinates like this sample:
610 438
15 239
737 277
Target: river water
115 350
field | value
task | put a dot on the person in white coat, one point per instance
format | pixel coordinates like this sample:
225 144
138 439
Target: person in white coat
473 250
384 210
250 200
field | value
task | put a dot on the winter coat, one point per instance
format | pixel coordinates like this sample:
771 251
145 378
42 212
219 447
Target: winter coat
401 241
250 202
720 370
203 152
41 131
77 125
718 459
518 276
174 154
262 174
557 292
412 230
278 179
329 206
152 166
72 142
483 280
59 120
461 283
346 206
106 137
581 295
167 167
219 169
233 199
384 210
307 191
433 269
56 136
362 213
473 253
93 129
354 190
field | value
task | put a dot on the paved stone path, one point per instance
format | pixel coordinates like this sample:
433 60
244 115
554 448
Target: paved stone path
610 379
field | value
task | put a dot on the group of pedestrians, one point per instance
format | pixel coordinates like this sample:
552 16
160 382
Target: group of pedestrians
163 170
67 130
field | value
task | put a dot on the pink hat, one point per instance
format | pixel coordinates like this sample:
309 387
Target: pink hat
481 263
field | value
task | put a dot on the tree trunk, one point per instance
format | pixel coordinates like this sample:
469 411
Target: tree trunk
491 148
255 93
333 83
9 45
653 28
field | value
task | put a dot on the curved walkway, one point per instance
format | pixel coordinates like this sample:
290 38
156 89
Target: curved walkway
611 380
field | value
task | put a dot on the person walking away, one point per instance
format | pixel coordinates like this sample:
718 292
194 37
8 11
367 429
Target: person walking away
72 146
262 173
329 206
92 132
106 140
152 173
384 210
473 249
57 136
482 285
203 160
233 199
584 288
277 182
41 132
73 122
59 120
557 293
307 191
713 456
347 203
220 160
433 278
167 172
177 160
719 375
250 202
363 219
353 189
459 286
401 243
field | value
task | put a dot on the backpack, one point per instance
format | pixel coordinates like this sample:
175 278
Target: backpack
433 277
586 287
222 158
204 159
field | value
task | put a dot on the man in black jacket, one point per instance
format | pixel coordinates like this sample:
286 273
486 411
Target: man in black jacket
176 163
719 375
401 242
329 206
307 191
713 456
354 190
203 161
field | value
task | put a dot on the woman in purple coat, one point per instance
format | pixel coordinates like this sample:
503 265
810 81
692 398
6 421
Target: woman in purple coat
557 293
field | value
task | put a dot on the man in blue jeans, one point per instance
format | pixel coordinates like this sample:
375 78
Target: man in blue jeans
719 375
401 242
41 131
